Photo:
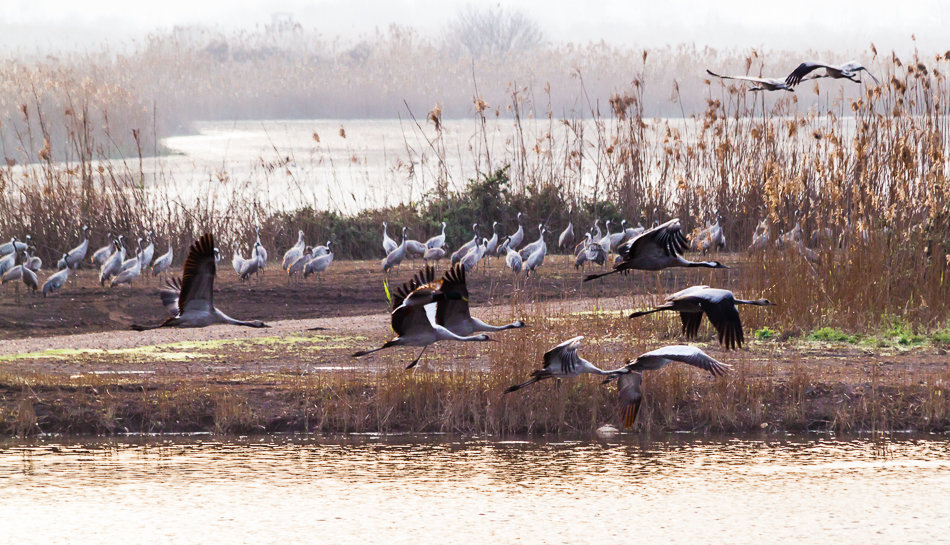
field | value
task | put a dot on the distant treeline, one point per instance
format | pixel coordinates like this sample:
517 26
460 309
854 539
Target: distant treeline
120 102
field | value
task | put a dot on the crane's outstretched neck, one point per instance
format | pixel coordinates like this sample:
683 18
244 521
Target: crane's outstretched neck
229 320
482 326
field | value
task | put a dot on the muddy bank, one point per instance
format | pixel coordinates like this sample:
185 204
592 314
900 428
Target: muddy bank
348 288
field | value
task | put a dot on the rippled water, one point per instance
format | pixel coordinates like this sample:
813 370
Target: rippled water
424 490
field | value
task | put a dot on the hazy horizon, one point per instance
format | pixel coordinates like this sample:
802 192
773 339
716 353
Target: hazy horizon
48 26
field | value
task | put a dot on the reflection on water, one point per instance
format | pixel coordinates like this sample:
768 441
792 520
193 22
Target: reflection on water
424 490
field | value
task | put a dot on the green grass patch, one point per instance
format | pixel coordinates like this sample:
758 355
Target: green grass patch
941 336
830 334
765 334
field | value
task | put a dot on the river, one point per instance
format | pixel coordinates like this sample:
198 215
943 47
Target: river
446 489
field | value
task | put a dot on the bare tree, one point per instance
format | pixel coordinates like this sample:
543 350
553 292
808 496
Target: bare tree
493 31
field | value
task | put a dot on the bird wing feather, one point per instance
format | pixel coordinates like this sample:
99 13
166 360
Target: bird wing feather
565 355
170 294
424 276
741 78
691 322
630 394
663 240
689 355
197 283
725 318
454 311
803 70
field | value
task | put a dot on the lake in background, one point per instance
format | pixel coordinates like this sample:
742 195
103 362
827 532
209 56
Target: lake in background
424 489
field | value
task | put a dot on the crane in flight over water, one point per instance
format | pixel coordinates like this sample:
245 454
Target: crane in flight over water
719 305
848 70
630 376
561 361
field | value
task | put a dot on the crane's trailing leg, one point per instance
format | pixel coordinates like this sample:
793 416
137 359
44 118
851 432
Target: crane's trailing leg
416 361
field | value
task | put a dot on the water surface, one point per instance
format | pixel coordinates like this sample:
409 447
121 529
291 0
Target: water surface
449 490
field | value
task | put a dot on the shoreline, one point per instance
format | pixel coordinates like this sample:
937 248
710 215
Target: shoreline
109 380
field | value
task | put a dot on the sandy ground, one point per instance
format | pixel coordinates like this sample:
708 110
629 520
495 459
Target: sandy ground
85 328
70 364
348 288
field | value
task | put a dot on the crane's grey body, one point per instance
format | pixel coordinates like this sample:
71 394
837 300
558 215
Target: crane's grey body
474 254
113 265
395 257
128 263
259 248
566 236
14 246
512 258
253 265
536 258
605 241
415 248
437 241
617 238
56 281
321 262
12 274
532 246
74 257
294 253
464 249
433 254
164 261
491 246
454 312
388 243
100 256
32 262
321 250
517 238
147 253
30 280
297 267
130 269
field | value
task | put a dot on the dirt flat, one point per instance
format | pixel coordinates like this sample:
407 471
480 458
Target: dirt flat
70 363
348 288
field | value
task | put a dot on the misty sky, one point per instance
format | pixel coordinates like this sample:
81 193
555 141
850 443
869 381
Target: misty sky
34 25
